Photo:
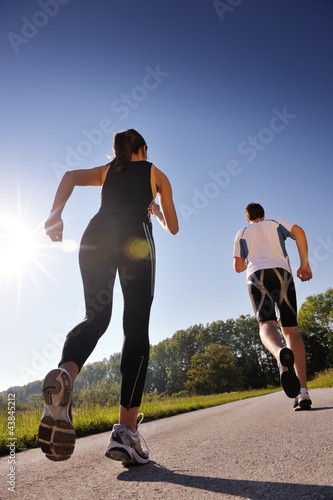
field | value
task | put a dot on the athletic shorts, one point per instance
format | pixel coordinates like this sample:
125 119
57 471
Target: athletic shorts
273 296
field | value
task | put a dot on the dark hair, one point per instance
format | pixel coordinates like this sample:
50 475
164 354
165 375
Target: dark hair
124 144
254 211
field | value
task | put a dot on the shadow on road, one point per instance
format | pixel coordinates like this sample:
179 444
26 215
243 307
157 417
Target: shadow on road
252 490
322 408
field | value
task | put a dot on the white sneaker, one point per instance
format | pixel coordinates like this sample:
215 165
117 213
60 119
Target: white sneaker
302 401
128 447
56 434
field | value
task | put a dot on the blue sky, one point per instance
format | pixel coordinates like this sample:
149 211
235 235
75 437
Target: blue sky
234 99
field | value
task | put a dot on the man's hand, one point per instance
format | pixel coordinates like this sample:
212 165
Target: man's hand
240 264
304 273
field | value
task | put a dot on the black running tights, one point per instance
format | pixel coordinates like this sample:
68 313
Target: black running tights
112 244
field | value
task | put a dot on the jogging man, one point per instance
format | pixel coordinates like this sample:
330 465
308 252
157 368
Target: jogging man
259 249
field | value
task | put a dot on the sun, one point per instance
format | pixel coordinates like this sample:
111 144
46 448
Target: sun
17 245
21 247
26 256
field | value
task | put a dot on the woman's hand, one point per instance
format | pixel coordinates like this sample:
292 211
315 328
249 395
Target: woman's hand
155 210
54 227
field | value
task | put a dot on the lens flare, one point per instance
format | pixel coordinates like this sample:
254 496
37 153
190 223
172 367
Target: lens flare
137 249
69 246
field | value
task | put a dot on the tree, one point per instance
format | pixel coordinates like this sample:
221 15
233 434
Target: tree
214 371
35 401
315 319
259 367
103 393
157 374
170 360
183 346
107 369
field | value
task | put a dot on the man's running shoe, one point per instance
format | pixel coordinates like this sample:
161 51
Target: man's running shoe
56 434
302 402
289 380
128 447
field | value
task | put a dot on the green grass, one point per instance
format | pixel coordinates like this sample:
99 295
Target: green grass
322 380
168 407
92 420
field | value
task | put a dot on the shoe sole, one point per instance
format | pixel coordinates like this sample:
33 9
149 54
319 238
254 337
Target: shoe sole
289 380
126 455
119 454
56 434
303 405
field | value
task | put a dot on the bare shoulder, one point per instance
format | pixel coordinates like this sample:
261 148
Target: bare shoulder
94 176
295 228
103 172
160 177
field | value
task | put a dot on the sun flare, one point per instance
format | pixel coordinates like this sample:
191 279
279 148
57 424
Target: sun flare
27 257
22 247
17 245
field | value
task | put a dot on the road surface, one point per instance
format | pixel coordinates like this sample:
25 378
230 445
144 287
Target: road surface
253 449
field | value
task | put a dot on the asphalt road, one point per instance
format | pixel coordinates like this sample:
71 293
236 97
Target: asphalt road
252 449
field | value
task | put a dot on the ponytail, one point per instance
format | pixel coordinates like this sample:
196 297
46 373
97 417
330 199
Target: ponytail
124 144
122 151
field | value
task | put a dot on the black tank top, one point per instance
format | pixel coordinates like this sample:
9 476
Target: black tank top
128 191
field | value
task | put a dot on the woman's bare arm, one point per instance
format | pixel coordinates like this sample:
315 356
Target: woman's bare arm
166 212
83 177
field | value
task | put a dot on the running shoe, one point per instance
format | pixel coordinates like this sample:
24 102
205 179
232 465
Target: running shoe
302 402
289 380
128 447
56 434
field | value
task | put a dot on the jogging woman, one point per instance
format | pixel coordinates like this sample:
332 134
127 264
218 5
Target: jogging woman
117 239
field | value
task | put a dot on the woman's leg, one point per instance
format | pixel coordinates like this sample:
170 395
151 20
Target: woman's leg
137 276
98 271
56 433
